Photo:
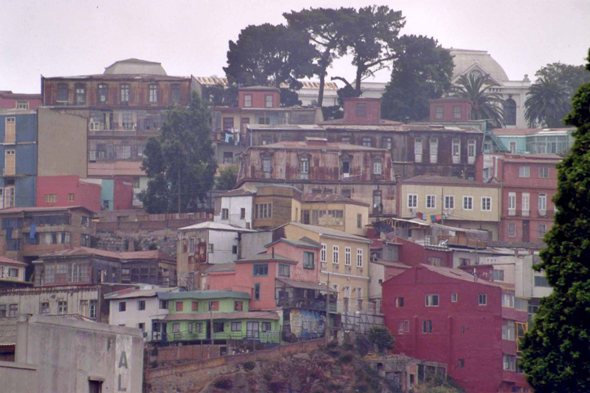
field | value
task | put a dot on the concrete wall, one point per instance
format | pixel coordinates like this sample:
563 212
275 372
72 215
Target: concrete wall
62 144
253 243
133 316
234 206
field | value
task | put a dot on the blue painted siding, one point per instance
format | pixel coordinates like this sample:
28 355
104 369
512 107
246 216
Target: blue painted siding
107 193
520 143
26 159
26 127
26 191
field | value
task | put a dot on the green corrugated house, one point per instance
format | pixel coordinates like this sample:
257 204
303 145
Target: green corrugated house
198 315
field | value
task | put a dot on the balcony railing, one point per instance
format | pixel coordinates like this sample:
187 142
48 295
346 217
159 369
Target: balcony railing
308 304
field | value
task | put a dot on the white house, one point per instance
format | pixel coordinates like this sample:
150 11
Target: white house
137 309
234 207
11 269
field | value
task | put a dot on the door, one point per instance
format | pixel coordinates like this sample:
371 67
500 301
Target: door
525 231
164 334
9 162
512 147
10 131
208 323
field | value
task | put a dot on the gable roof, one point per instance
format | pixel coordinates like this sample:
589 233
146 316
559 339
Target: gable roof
10 261
324 231
457 274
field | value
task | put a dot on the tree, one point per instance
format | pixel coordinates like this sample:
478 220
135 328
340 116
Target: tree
220 95
569 76
371 36
269 55
381 338
227 178
422 71
325 27
555 351
180 162
548 102
485 105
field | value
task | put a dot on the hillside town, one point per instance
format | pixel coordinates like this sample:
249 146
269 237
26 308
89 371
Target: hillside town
331 227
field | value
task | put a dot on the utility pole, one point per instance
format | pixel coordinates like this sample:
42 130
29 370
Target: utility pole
327 323
179 190
442 207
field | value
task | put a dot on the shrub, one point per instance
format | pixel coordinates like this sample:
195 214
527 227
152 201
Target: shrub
249 366
224 383
346 358
381 338
332 344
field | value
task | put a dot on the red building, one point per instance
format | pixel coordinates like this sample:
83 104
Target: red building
450 110
414 254
449 316
10 100
529 182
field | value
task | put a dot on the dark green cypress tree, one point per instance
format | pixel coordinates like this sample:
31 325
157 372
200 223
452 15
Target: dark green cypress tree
556 351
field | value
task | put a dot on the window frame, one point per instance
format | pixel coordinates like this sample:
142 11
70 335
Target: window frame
412 198
431 201
524 172
432 300
450 201
427 326
489 204
262 267
484 297
465 199
335 254
359 257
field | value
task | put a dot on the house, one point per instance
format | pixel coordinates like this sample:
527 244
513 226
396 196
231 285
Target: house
405 372
234 207
535 140
202 244
275 204
315 165
454 201
12 274
450 316
214 316
138 308
18 133
29 232
528 184
25 102
68 191
121 109
349 275
84 266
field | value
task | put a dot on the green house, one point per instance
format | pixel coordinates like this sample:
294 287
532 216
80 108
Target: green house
217 315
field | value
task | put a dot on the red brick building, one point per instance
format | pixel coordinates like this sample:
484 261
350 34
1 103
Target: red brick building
450 110
67 191
529 182
449 316
10 100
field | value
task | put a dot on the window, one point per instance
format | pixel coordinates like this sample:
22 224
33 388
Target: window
431 201
367 142
361 110
412 201
248 100
345 139
542 203
304 165
122 306
520 304
507 300
71 197
62 307
439 112
482 299
511 229
346 167
427 326
467 203
359 257
80 94
102 93
511 201
386 143
263 210
486 204
433 150
417 149
218 327
359 220
153 94
62 92
541 281
125 93
260 269
213 306
377 167
509 362
284 271
456 149
324 253
347 256
176 328
268 101
194 306
471 148
542 230
265 326
224 214
454 297
252 330
50 198
525 202
163 304
335 254
308 260
449 202
544 172
456 112
461 363
242 213
236 326
179 306
431 300
399 301
257 291
524 171
211 248
266 165
497 275
141 305
22 104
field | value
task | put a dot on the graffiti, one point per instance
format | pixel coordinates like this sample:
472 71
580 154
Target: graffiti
307 324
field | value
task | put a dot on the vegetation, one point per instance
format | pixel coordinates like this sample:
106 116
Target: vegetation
180 163
555 351
249 366
227 178
485 105
421 72
380 337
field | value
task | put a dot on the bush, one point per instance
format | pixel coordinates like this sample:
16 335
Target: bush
346 358
332 344
381 338
363 346
224 383
249 366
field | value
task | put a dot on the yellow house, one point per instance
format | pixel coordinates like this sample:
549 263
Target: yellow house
454 201
336 212
344 262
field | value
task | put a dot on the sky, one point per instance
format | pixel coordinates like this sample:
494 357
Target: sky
190 37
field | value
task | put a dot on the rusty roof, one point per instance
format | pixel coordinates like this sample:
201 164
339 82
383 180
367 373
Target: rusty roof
316 146
121 255
215 80
330 198
11 261
447 180
41 209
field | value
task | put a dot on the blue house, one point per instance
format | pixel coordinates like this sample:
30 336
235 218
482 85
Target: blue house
18 165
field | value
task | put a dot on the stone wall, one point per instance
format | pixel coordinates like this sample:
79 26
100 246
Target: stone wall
137 240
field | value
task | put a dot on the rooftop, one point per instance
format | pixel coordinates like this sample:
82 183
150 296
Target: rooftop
303 242
215 226
221 267
312 145
10 261
330 198
203 295
10 210
135 66
266 257
130 293
381 127
328 232
446 180
457 274
236 192
125 255
205 316
214 80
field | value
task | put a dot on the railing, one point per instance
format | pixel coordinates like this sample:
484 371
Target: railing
309 304
444 241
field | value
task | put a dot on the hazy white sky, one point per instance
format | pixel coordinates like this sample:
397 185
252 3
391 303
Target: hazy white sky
77 37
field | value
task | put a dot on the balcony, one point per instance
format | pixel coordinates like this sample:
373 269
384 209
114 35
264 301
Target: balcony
525 213
512 212
308 304
471 160
456 159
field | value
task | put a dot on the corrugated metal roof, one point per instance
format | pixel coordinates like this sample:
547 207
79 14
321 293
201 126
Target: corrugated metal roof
205 316
215 226
214 80
121 255
203 295
304 285
42 209
328 232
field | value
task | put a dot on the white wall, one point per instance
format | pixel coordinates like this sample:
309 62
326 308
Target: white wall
223 242
235 205
132 316
376 272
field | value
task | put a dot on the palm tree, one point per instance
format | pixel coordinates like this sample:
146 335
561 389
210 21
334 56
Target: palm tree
548 102
485 104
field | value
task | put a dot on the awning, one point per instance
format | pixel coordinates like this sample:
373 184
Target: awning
304 285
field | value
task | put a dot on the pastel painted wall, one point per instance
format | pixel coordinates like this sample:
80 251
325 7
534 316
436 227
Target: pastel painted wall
84 194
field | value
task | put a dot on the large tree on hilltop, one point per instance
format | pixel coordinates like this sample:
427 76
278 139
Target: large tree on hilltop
556 351
269 55
326 28
422 71
485 105
547 103
180 162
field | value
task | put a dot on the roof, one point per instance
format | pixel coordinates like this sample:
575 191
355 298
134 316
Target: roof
457 274
236 192
123 255
446 180
515 131
117 168
214 80
135 66
260 88
221 267
304 285
10 95
266 257
130 293
303 242
324 231
330 198
316 146
272 185
41 209
11 261
330 126
203 295
464 59
205 316
216 226
391 264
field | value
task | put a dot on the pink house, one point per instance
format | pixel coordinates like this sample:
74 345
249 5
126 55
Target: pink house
10 100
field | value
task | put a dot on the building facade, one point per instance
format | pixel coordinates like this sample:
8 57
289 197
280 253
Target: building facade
549 141
10 100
